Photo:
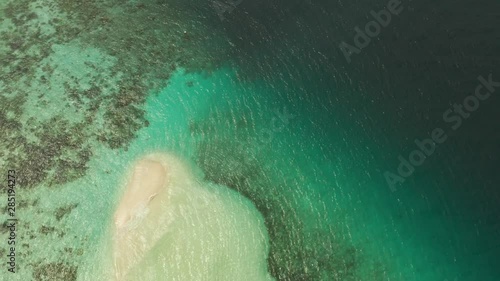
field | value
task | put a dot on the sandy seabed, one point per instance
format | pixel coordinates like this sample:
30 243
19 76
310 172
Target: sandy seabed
169 225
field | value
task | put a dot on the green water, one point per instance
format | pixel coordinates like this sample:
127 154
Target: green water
291 139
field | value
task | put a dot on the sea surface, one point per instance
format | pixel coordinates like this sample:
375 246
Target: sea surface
260 101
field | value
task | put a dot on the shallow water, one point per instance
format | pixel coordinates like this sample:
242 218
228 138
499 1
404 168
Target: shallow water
283 137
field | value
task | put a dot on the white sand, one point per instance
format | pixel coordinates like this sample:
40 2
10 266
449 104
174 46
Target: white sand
147 180
170 226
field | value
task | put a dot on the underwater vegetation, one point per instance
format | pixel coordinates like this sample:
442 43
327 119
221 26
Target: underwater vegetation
75 76
95 60
297 251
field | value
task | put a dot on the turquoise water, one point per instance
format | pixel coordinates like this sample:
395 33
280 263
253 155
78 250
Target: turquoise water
272 121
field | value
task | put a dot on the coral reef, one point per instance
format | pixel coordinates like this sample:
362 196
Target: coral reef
97 61
297 252
61 212
75 77
57 271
